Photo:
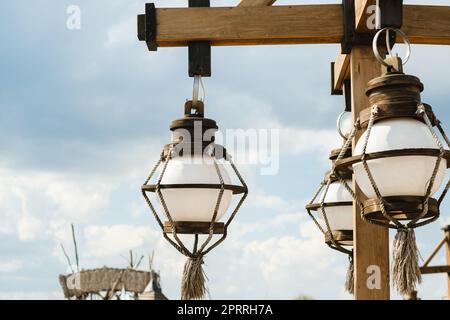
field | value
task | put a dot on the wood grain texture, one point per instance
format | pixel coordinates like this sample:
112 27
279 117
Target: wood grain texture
250 25
371 243
268 25
427 24
341 70
256 3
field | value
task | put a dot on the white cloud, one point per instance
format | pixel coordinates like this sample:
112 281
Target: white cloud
14 265
117 239
29 228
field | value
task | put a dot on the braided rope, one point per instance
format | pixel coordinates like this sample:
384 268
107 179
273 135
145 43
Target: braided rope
216 209
180 247
341 155
413 223
322 184
380 198
336 245
234 212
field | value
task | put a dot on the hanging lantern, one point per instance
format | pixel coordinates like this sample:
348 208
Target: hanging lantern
399 163
194 190
333 205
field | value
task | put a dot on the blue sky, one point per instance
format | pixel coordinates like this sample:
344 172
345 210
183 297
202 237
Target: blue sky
84 114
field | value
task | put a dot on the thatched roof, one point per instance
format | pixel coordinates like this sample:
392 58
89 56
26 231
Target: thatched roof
86 282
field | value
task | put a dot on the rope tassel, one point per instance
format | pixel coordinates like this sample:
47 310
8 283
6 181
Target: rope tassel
193 283
350 280
406 271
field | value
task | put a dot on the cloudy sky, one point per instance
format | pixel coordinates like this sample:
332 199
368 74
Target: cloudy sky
84 114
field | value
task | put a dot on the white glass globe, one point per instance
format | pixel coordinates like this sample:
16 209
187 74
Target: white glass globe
404 175
339 217
195 204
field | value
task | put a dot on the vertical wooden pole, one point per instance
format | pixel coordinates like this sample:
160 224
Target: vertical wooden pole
447 254
371 243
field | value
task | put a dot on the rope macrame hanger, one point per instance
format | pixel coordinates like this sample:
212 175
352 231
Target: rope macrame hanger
194 279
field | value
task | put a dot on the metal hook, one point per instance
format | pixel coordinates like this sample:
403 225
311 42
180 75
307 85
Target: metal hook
197 84
405 41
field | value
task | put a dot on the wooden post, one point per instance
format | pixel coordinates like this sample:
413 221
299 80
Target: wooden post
371 243
447 253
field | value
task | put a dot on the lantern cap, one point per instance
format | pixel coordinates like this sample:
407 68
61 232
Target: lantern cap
396 95
191 118
390 80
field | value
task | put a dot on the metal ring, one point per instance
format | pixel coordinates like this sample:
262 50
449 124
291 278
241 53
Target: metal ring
339 123
405 40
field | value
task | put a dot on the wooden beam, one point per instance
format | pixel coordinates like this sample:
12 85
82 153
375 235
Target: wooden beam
341 71
302 24
371 242
250 25
435 251
427 24
256 3
435 269
362 15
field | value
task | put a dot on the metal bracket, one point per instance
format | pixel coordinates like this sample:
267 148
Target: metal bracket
389 14
146 25
199 51
351 37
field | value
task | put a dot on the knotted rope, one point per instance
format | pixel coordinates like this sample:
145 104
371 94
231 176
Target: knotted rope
350 279
193 283
405 266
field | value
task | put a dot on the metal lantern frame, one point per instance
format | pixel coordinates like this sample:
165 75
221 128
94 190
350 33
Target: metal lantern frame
387 103
210 228
335 239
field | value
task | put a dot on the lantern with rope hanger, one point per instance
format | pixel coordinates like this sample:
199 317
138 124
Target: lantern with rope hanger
399 162
194 190
333 204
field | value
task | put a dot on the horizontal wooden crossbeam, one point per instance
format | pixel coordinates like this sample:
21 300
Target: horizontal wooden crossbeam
301 24
261 25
